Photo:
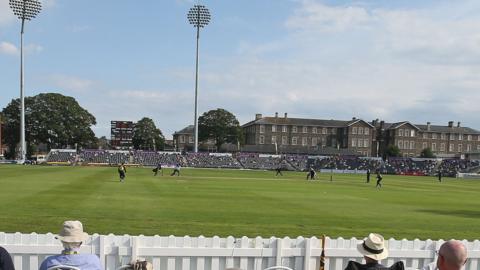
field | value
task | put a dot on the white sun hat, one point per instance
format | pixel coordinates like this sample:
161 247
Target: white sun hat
373 247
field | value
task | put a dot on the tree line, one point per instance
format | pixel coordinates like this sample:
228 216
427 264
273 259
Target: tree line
53 120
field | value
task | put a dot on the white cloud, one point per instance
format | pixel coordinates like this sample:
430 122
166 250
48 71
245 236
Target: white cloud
8 48
72 83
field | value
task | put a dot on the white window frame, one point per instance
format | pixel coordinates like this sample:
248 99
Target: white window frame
354 142
451 148
424 145
274 128
274 139
365 143
400 133
262 128
304 141
305 129
284 140
354 130
324 130
434 136
459 148
412 145
314 130
366 131
261 139
400 144
314 141
294 129
360 130
434 147
294 140
442 147
284 129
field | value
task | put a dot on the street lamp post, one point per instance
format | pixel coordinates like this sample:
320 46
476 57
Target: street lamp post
199 16
24 10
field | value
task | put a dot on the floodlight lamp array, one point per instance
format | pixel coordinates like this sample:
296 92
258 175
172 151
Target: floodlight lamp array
199 16
25 9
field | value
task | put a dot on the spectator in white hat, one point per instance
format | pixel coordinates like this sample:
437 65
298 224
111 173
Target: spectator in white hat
72 237
373 250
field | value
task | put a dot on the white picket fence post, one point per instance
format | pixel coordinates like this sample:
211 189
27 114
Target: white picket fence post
201 253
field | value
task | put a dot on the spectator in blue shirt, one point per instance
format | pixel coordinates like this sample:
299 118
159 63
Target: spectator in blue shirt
72 237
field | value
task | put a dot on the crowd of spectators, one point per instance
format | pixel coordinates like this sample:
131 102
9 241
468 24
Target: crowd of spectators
61 156
150 158
404 166
408 166
450 167
206 160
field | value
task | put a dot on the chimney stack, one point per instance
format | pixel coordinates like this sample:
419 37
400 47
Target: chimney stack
258 116
458 124
450 124
285 115
428 126
276 115
354 118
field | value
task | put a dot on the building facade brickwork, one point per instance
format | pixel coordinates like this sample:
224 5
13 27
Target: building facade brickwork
281 134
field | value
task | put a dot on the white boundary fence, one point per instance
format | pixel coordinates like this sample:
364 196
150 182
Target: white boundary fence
201 253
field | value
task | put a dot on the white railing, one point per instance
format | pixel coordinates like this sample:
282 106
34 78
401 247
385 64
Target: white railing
201 253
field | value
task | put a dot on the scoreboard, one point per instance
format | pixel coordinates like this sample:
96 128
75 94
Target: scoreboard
121 134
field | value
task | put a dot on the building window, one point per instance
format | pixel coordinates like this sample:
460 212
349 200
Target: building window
354 142
304 141
294 129
367 131
314 141
451 147
365 142
274 128
190 139
314 130
274 139
469 147
434 136
460 137
182 139
360 130
360 143
412 133
262 139
460 148
478 147
400 144
442 136
354 130
434 147
424 145
400 132
284 128
262 128
284 140
324 142
407 133
412 145
442 147
324 130
425 136
469 137
305 129
294 140
452 137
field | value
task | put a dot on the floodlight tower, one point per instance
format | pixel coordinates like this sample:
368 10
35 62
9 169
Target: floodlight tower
24 10
199 16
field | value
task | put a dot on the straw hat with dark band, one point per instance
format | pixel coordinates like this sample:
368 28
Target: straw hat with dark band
373 247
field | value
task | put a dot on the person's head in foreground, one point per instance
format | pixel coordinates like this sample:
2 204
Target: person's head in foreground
452 255
72 236
373 248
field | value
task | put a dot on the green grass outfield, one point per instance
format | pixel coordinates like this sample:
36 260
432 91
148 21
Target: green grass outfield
236 202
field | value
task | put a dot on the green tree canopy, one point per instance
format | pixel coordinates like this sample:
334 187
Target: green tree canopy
427 153
52 119
219 125
147 136
393 151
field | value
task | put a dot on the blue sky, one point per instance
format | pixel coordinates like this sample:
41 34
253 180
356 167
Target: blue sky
123 60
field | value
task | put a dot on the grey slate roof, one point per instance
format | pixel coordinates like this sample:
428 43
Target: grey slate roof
446 129
186 130
302 122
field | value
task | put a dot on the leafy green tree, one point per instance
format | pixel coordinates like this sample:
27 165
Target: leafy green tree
147 136
221 126
52 119
393 151
427 153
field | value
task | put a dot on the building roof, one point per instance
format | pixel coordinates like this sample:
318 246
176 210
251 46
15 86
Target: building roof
447 129
185 130
303 122
399 124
